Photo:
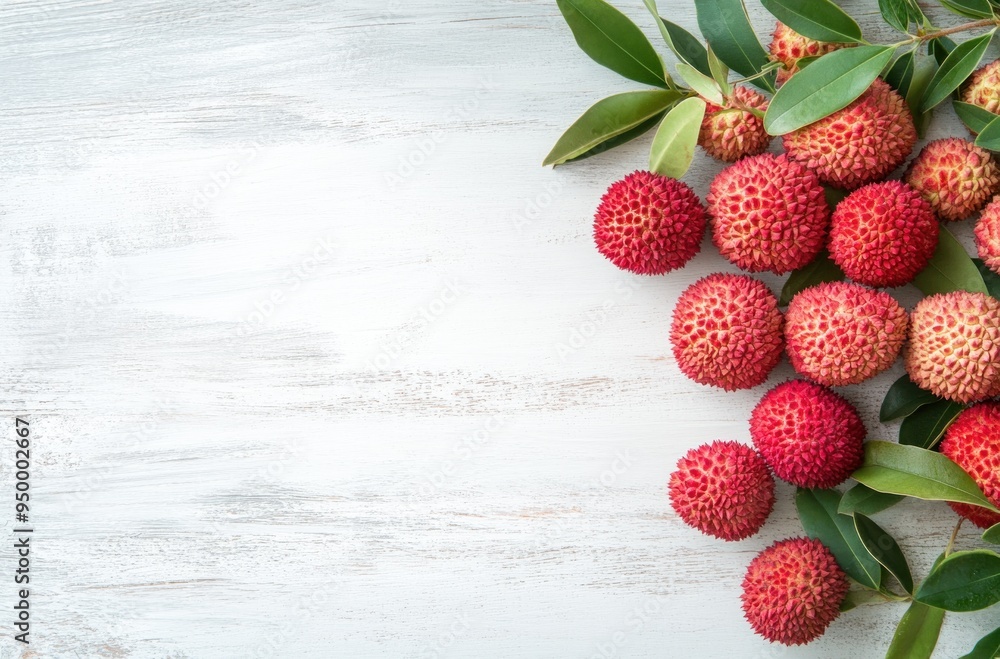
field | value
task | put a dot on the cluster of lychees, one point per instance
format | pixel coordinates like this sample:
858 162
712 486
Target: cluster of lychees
769 213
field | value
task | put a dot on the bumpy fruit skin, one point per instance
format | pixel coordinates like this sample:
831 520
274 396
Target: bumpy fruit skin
988 235
883 234
726 331
983 88
768 213
859 144
788 47
808 435
728 133
793 590
973 443
723 489
954 349
649 224
838 333
955 176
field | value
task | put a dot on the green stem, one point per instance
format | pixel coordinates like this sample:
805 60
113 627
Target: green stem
954 534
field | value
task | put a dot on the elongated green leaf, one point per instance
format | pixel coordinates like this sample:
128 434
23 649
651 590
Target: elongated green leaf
974 117
823 89
701 83
676 139
964 581
620 139
609 118
903 399
917 633
895 13
990 278
611 39
989 136
950 269
969 8
681 42
884 548
924 68
992 534
863 499
820 519
720 72
820 269
916 472
726 27
959 64
926 426
988 647
816 19
901 73
940 48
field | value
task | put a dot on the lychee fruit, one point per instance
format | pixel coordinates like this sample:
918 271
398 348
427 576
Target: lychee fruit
726 331
972 442
859 144
732 132
649 224
954 349
983 87
883 234
838 333
988 235
808 435
793 590
768 213
788 47
955 176
723 489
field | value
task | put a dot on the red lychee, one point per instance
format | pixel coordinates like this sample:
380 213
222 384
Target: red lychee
973 443
983 87
988 235
788 47
731 132
955 176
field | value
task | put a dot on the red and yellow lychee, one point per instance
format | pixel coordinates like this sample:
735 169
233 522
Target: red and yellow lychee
723 489
768 213
788 47
649 224
972 441
988 235
731 132
955 176
983 87
808 435
726 331
883 234
792 591
859 144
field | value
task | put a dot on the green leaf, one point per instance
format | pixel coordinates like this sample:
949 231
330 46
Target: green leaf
916 472
990 278
989 136
988 647
818 91
959 64
609 118
950 269
992 534
974 117
820 269
926 425
924 69
903 399
618 140
917 633
940 48
863 499
681 42
901 73
720 73
676 139
820 519
611 39
817 19
895 13
726 27
969 8
701 83
964 581
884 548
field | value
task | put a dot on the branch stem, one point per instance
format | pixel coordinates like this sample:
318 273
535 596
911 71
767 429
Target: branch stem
985 22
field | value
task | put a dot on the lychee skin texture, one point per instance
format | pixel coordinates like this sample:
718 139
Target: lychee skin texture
726 331
793 590
988 235
768 213
649 224
788 47
859 144
728 133
808 435
883 234
955 176
973 443
954 349
983 87
723 489
838 333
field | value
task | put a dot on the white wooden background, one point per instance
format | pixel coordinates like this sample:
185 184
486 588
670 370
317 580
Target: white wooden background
320 362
